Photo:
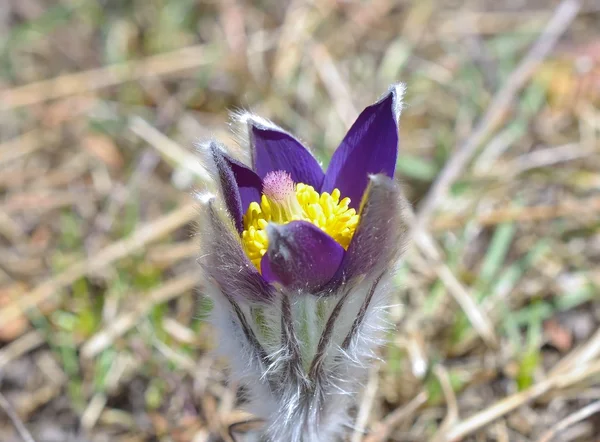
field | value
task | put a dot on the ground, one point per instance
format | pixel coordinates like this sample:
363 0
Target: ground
103 327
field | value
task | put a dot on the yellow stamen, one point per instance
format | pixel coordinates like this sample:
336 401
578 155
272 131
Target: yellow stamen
324 210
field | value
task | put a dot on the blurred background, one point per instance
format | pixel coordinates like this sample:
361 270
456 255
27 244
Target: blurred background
103 329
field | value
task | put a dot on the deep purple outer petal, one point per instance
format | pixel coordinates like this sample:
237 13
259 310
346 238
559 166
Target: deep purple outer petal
266 271
274 149
229 186
224 260
369 147
248 182
300 256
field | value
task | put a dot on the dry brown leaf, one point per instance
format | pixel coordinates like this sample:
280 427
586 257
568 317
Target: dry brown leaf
17 326
104 149
559 336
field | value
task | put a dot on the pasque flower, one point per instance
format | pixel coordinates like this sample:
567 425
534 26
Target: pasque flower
300 263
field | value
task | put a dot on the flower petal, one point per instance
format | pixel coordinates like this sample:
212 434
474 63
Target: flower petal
229 187
380 237
275 149
300 255
248 182
224 261
369 147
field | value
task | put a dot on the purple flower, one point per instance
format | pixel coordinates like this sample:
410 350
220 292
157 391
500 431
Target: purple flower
309 236
299 264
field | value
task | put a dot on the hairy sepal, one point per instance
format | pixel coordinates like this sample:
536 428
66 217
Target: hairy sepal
302 356
299 404
224 260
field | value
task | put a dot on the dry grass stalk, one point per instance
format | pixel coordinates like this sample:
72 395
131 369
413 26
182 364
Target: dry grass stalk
17 422
123 323
118 250
511 403
92 80
578 416
564 14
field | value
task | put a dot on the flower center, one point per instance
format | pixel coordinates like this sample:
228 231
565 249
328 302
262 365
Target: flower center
283 201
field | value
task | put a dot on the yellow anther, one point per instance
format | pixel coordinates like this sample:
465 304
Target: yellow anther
325 211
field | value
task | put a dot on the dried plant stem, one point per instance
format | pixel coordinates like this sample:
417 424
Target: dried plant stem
511 403
558 24
80 82
16 421
366 404
578 416
126 321
451 402
481 323
102 259
589 206
336 85
26 144
19 347
168 148
383 430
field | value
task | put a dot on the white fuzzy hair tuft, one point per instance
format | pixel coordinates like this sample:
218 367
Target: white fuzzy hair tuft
301 401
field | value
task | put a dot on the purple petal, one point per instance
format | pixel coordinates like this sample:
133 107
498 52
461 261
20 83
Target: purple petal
274 149
369 147
380 237
223 260
229 187
300 256
249 183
